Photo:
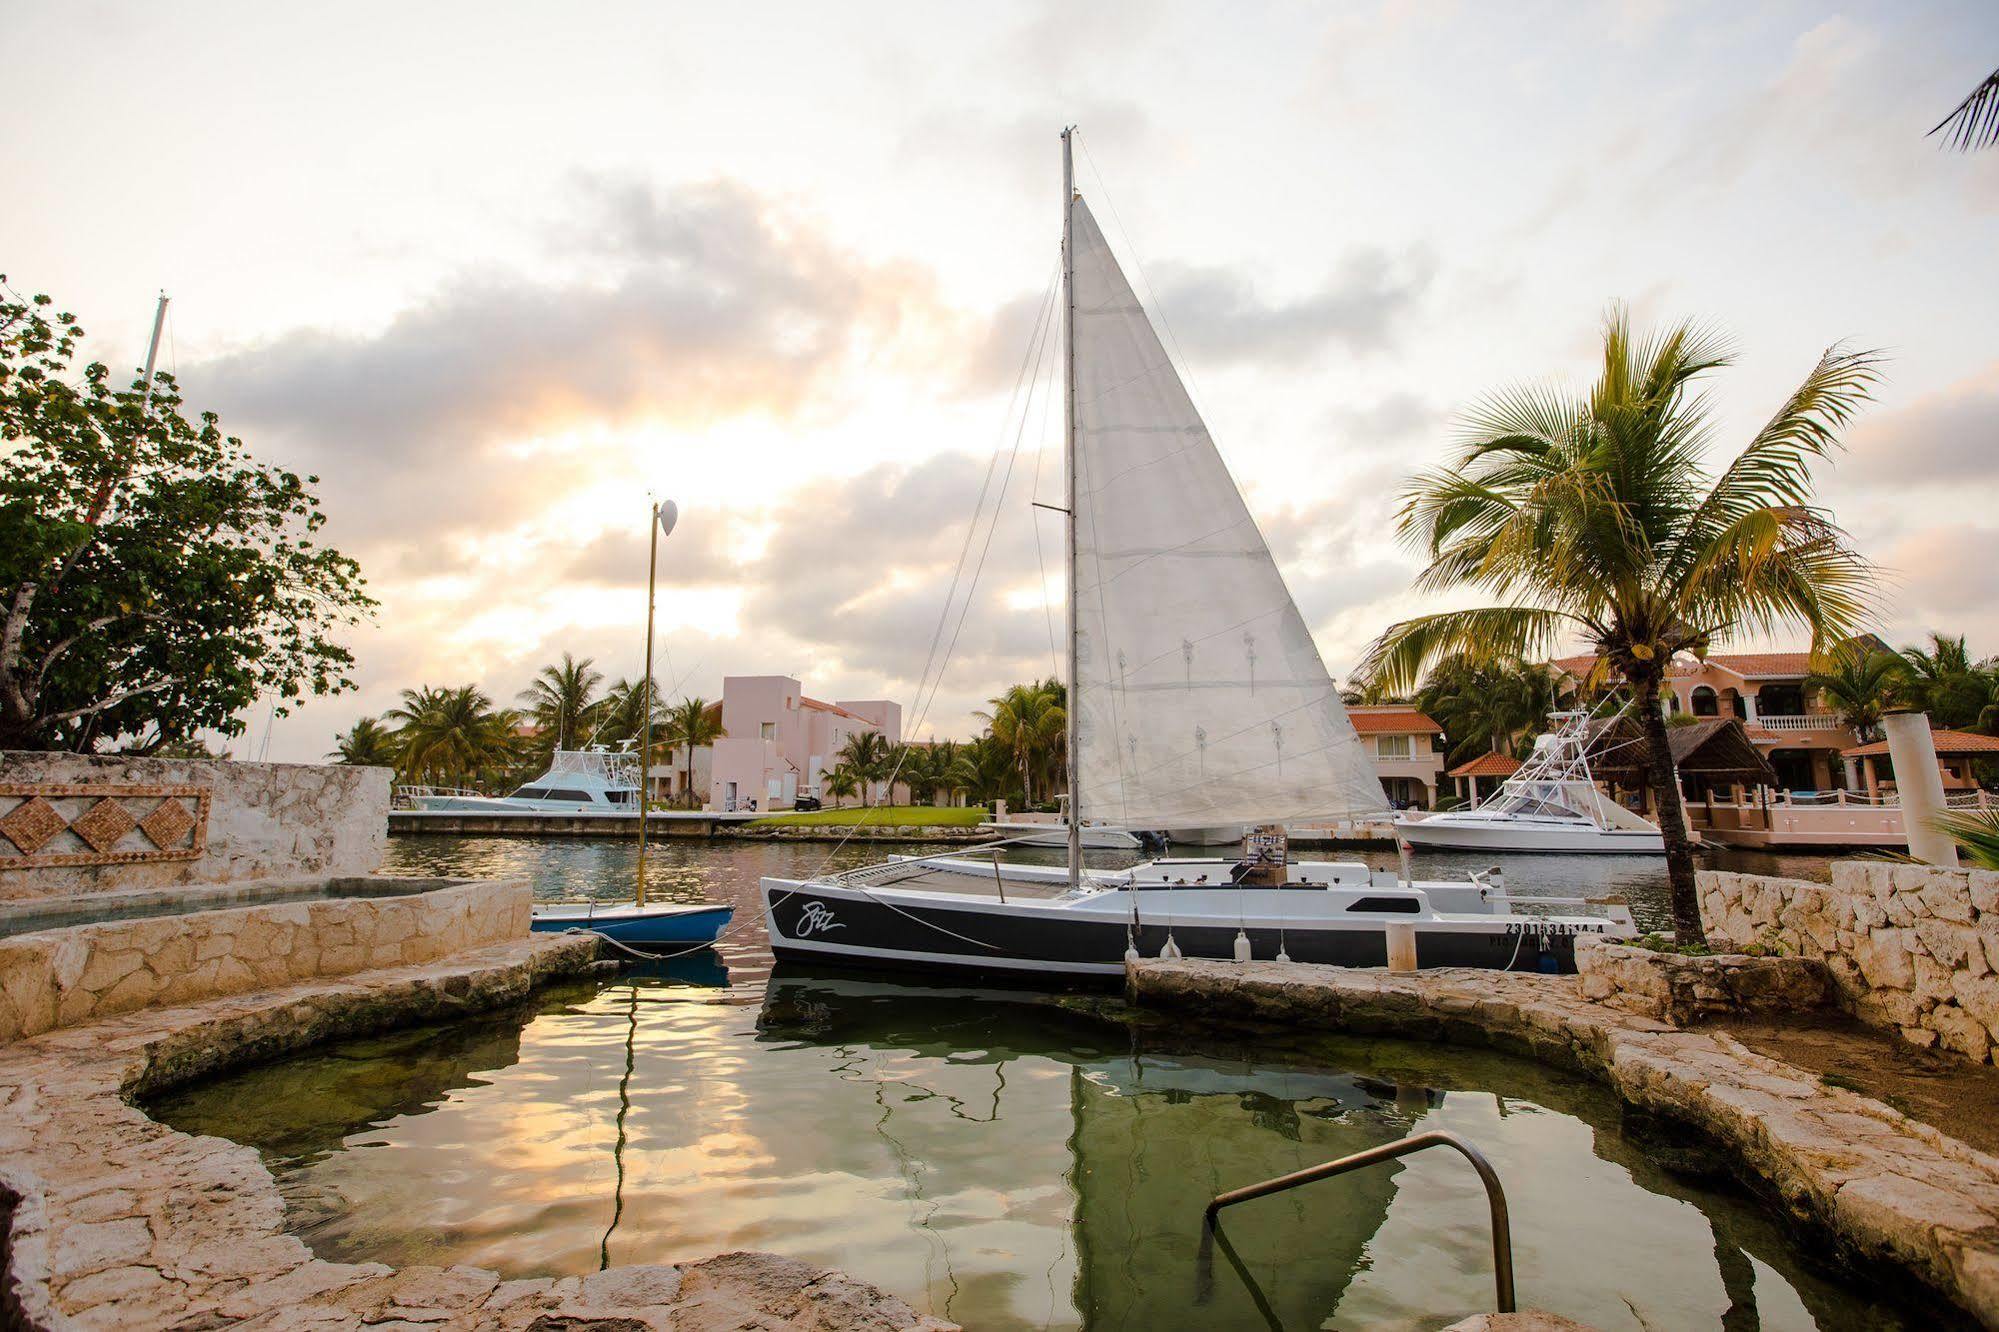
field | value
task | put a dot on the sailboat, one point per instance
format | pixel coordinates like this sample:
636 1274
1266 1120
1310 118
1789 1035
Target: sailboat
1551 804
1197 698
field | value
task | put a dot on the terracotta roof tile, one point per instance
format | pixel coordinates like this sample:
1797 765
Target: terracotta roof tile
830 707
1391 719
1948 743
1492 763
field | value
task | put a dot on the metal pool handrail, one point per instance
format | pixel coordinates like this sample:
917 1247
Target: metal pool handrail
1495 1196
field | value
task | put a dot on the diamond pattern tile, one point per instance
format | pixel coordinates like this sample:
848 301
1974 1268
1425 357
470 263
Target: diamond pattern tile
168 823
103 824
30 824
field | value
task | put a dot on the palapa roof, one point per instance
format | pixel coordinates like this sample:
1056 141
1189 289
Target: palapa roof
1715 747
1492 763
1950 744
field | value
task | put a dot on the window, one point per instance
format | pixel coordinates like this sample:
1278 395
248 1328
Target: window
1398 905
580 797
767 731
1391 746
531 793
1706 704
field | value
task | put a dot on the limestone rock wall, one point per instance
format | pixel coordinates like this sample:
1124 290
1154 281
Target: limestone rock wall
1909 947
262 820
57 978
1683 990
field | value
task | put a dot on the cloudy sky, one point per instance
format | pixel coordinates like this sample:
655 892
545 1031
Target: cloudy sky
495 272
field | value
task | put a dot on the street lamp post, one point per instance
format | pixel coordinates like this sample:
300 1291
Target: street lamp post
663 518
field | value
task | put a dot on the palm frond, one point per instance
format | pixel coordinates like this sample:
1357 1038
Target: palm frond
1398 659
1976 833
1975 123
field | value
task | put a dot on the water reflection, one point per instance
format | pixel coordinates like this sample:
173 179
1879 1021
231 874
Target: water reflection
999 1159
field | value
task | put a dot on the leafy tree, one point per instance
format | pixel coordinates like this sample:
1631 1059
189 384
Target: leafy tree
560 697
1859 683
1597 515
453 734
368 743
155 580
694 723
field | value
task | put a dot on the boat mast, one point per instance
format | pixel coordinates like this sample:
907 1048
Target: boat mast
1069 457
645 726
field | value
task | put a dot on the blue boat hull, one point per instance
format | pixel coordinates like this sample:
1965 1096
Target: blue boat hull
640 929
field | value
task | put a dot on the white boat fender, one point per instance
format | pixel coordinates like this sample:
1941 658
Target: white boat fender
1171 952
1242 950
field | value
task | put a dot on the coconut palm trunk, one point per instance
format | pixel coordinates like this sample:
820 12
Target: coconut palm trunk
1663 777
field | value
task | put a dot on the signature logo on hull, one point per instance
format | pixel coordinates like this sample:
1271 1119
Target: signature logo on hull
815 918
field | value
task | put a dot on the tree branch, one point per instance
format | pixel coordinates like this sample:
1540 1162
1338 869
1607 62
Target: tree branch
93 709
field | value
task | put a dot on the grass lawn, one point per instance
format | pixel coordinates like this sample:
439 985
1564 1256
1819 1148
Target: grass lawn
881 816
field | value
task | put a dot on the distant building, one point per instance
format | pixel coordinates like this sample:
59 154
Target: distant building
1803 739
1408 749
779 744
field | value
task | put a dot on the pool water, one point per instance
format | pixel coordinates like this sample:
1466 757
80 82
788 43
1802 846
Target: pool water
1004 1160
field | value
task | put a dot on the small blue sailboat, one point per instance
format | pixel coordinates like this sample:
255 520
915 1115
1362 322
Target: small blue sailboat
637 926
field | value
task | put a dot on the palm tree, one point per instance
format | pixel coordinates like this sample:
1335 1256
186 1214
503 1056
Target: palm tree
1942 680
1975 123
926 769
695 723
1596 515
984 769
868 757
367 744
1859 683
619 716
1030 721
454 733
559 698
841 783
1487 704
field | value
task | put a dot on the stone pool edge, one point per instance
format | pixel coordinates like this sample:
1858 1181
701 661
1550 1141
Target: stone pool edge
1890 1189
111 1219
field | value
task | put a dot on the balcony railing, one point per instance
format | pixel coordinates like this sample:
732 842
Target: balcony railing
1817 721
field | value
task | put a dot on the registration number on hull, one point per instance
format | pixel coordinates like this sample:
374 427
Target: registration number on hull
1555 928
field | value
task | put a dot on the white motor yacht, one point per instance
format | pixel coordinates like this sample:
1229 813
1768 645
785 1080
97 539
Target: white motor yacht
1551 804
595 780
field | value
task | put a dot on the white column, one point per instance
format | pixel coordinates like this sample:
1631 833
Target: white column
1920 785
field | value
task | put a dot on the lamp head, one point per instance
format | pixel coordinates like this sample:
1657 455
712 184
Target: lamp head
669 514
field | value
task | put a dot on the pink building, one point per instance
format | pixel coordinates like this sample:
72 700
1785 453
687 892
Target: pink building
778 743
1795 729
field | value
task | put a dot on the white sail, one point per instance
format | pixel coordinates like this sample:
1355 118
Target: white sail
1201 697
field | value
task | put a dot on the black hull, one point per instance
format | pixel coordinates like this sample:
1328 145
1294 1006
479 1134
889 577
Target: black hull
866 933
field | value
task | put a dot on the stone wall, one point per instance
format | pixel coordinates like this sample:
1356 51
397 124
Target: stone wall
1683 990
60 834
1909 947
56 978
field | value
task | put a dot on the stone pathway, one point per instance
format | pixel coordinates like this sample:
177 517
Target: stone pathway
1890 1189
115 1221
